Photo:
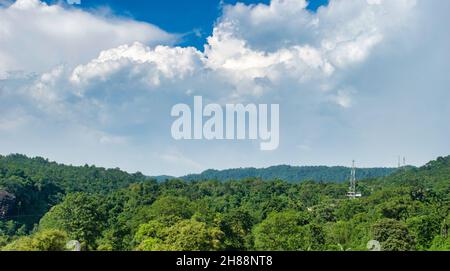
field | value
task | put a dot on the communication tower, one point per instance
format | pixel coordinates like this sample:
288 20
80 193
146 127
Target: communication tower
352 194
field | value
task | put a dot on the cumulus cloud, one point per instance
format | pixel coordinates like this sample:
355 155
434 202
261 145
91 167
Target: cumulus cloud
257 48
161 62
35 37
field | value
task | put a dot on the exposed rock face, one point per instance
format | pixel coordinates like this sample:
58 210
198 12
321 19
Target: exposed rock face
7 201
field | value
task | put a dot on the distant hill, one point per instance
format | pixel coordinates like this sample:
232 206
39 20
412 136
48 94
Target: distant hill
69 178
162 178
434 175
292 173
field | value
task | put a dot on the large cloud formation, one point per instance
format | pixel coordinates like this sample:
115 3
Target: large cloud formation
338 74
35 36
259 45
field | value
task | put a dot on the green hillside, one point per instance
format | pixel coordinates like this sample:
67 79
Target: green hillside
291 174
43 204
34 185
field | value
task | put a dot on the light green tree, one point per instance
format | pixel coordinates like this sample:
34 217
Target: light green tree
393 235
283 231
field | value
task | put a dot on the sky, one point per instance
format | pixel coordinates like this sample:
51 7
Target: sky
193 20
94 82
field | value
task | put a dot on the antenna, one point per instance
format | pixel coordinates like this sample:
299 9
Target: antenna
352 194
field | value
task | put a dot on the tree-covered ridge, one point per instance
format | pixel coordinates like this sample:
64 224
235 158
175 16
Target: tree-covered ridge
69 178
408 210
434 175
291 173
29 187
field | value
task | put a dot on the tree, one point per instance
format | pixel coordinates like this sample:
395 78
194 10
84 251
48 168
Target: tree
398 208
47 240
186 235
236 225
79 215
440 243
315 237
21 244
349 208
282 232
152 230
393 235
424 229
171 206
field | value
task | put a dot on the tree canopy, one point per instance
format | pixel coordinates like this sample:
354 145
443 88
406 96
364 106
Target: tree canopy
44 204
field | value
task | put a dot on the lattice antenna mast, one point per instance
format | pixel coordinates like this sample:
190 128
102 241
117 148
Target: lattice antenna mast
353 179
352 194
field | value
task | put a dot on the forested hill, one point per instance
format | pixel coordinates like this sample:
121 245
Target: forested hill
292 174
29 187
20 169
434 175
408 210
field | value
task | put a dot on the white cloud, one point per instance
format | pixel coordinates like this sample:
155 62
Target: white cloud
255 49
35 37
343 98
160 62
285 37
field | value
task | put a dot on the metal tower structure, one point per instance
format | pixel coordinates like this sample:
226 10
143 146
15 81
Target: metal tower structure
352 194
401 164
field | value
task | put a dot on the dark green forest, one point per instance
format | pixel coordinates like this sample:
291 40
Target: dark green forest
43 205
290 174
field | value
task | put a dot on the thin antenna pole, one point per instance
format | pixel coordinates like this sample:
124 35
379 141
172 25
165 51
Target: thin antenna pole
352 194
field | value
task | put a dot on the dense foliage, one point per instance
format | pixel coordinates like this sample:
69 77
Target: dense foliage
290 174
408 210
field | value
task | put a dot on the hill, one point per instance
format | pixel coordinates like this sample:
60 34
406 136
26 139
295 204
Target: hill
29 187
69 178
435 175
44 204
291 174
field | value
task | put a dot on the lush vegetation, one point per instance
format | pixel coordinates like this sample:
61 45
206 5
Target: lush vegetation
43 205
290 174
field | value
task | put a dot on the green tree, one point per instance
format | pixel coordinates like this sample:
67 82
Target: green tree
80 216
347 209
191 235
152 230
424 229
20 244
393 235
440 243
47 240
186 235
282 232
315 237
236 225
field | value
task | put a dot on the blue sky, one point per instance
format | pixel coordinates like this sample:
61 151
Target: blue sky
177 16
363 80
